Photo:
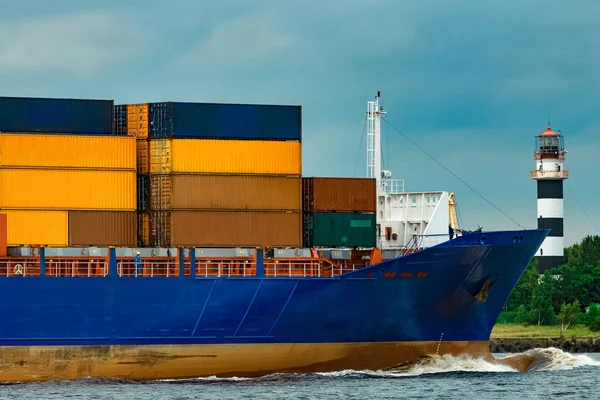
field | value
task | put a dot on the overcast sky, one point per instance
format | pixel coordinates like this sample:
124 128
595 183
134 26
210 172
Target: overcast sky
470 81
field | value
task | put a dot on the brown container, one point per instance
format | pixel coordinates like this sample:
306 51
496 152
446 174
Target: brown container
339 194
227 229
225 192
143 156
161 192
143 229
102 228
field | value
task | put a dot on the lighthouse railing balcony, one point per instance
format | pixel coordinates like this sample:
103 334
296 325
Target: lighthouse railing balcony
549 174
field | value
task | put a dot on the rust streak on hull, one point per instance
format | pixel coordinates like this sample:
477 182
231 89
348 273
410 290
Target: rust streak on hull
23 363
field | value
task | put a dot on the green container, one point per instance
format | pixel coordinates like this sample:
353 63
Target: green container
339 230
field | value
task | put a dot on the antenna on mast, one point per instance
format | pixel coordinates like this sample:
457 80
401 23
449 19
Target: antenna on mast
374 112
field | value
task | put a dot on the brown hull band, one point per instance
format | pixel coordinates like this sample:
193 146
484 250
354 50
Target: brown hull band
39 363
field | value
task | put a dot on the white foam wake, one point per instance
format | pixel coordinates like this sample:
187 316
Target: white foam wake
547 359
553 359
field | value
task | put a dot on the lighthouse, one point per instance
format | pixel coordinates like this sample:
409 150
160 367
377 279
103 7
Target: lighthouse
549 173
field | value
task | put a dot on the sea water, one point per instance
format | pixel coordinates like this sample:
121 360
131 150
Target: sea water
556 374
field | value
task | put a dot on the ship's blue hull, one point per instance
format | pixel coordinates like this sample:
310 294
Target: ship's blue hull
452 292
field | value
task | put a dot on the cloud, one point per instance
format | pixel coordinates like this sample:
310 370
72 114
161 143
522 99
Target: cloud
242 42
78 43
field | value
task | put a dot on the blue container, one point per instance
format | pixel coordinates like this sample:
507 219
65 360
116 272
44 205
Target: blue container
46 115
120 123
225 121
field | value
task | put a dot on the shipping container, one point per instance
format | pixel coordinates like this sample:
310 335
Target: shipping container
143 156
339 194
160 192
67 151
143 192
120 124
225 192
339 230
226 229
48 115
160 229
45 189
225 121
137 120
143 229
102 228
50 228
160 156
225 157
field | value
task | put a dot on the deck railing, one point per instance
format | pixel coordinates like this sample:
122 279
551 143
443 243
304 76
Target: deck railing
273 268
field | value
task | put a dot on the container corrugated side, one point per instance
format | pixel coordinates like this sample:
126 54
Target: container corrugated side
339 194
102 228
143 234
143 192
50 228
235 192
67 151
138 120
226 121
160 228
67 189
120 120
234 157
233 229
49 115
161 156
161 192
143 156
339 230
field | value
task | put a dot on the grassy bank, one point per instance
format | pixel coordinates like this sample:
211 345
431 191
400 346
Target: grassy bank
534 331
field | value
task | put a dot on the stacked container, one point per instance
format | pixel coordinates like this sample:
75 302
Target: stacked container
137 117
339 212
74 186
220 175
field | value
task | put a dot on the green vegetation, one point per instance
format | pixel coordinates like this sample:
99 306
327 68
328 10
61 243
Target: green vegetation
564 301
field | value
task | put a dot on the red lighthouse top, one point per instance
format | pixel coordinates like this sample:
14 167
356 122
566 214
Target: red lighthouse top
549 132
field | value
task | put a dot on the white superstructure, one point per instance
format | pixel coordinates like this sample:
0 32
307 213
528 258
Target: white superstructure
402 215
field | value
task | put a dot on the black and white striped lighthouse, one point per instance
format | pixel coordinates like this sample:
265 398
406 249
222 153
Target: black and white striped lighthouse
550 174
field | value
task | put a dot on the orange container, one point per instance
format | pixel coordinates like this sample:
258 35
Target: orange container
143 156
3 235
67 151
47 189
26 227
138 120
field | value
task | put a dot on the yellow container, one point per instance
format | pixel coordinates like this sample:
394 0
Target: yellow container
67 189
225 156
49 228
67 151
160 156
137 120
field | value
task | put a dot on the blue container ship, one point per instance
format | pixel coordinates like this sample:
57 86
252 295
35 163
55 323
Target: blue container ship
144 314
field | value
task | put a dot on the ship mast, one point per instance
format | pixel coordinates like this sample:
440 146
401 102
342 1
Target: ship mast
374 112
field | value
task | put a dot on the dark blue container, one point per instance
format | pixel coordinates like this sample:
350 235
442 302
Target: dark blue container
225 121
143 192
46 115
120 124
